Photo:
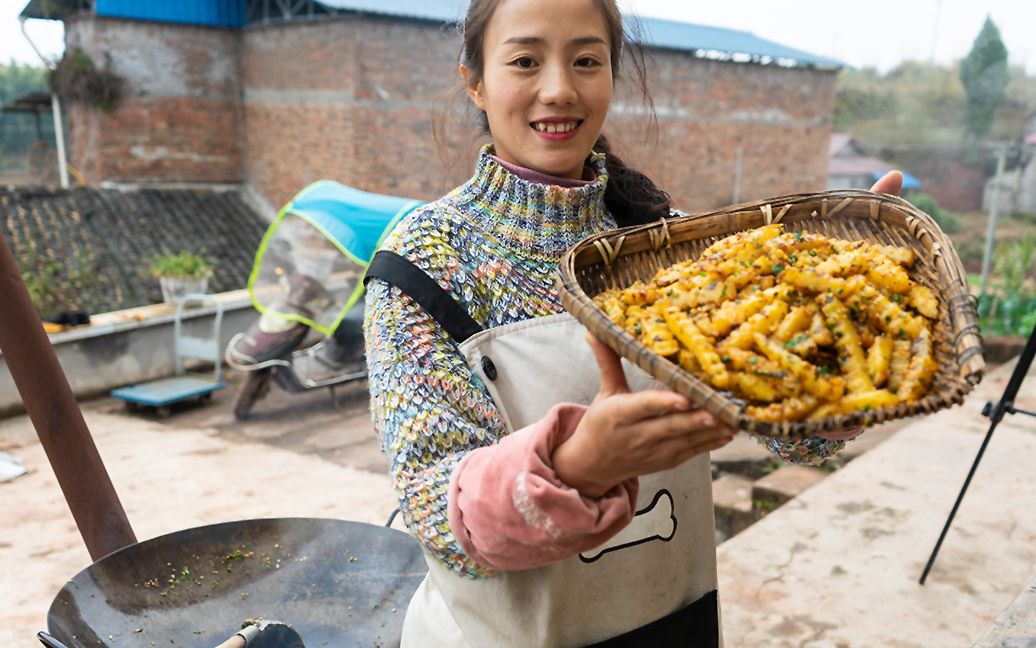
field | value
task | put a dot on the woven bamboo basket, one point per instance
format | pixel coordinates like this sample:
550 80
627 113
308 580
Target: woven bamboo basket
618 258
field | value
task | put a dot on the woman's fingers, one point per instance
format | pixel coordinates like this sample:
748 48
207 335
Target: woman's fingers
613 378
841 435
678 449
890 183
630 409
697 449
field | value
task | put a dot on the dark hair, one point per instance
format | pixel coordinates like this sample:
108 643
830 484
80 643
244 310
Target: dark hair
631 197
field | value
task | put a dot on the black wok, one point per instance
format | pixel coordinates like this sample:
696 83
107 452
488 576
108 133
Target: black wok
337 583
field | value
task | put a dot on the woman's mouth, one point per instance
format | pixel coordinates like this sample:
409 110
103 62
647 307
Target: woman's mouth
556 130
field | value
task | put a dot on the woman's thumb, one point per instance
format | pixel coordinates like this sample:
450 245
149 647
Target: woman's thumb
613 378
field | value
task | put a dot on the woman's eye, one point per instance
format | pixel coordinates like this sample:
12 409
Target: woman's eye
523 62
587 61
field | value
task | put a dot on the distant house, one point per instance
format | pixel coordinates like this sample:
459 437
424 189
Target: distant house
1017 192
850 168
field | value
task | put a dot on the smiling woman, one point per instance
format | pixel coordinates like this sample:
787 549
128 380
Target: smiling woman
560 500
587 61
545 84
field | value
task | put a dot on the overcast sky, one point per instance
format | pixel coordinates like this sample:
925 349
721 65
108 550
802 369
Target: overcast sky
878 33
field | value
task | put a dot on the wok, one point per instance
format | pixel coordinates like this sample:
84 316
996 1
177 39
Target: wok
337 583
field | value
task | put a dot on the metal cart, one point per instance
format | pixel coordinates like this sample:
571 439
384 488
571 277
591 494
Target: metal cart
163 393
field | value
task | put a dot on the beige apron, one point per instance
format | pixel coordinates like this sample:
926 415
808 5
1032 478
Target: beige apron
664 560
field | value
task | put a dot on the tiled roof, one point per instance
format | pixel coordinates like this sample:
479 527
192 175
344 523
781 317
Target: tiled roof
107 238
838 142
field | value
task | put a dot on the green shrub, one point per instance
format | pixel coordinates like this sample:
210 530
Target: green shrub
1010 308
55 287
947 220
76 78
181 264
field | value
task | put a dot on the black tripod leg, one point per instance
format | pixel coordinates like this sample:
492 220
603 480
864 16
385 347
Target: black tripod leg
956 505
996 413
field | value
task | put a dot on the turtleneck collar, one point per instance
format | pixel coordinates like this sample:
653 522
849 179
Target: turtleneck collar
533 218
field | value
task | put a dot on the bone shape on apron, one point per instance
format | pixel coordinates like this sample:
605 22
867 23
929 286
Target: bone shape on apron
664 560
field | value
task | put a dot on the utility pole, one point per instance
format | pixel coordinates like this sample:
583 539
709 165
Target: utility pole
736 198
55 106
935 31
994 207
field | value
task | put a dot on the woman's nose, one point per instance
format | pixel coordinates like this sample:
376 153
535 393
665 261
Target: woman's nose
557 86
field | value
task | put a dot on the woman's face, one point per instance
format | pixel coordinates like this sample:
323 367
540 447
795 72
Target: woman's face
546 83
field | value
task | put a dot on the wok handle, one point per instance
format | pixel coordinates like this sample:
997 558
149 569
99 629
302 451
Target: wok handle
243 637
49 641
59 424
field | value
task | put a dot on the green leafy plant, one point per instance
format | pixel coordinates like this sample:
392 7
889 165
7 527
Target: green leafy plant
54 287
1010 307
76 78
182 264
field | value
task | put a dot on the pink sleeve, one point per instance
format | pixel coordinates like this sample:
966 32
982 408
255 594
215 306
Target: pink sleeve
510 511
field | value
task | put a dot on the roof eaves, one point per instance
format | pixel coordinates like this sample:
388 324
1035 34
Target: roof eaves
54 9
702 41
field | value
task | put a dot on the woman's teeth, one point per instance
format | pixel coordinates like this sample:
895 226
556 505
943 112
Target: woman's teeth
555 127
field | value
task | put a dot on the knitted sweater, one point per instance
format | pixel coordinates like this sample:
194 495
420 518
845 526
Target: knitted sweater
494 244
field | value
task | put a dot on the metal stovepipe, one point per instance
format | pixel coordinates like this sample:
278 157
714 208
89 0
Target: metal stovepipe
55 414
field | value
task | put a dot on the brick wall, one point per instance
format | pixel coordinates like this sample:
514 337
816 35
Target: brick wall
181 117
354 99
351 99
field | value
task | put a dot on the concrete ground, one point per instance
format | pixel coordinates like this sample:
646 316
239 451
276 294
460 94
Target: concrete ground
297 457
837 566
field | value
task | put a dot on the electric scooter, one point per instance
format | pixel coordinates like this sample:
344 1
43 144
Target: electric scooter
307 278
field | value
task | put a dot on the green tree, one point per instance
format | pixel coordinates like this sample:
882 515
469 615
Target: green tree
984 75
914 104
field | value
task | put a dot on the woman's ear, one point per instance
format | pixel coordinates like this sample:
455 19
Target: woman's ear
473 86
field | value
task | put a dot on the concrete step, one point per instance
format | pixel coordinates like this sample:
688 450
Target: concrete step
743 456
732 499
782 485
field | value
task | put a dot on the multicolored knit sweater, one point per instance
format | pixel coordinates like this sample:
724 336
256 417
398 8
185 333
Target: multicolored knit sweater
494 244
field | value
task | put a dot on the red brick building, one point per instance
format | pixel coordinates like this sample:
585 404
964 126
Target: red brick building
277 94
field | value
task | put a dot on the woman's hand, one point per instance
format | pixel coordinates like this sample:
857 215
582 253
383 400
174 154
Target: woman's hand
624 435
890 183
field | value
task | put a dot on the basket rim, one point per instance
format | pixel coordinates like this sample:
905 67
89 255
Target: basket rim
610 247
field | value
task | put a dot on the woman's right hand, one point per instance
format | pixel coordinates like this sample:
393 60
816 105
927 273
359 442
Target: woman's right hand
624 434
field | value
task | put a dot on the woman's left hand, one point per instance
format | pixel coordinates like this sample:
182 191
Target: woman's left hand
841 435
890 183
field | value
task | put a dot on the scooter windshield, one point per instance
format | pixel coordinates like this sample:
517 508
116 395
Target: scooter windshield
310 264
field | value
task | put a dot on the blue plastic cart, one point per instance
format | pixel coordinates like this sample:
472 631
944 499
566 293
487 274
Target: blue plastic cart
163 393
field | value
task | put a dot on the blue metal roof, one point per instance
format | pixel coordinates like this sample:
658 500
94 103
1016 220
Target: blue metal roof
212 13
709 42
701 40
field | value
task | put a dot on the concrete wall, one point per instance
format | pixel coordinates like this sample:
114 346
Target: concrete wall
355 99
181 117
1017 191
129 347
